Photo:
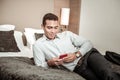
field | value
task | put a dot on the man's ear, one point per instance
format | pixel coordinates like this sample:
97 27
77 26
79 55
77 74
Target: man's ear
42 26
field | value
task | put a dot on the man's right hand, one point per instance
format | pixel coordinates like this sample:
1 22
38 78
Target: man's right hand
54 62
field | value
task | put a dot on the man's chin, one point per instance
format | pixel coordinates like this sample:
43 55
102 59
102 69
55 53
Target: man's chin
51 38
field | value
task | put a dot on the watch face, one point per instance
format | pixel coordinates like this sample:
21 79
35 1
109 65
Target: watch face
77 55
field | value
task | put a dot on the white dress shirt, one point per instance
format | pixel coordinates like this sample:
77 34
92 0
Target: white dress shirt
65 42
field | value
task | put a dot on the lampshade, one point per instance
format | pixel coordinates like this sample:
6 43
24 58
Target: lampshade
65 12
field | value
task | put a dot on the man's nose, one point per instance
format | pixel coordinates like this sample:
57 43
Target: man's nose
53 30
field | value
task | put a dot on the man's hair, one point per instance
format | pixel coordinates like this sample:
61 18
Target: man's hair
49 16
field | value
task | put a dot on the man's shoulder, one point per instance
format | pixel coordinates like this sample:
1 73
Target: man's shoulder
40 41
64 33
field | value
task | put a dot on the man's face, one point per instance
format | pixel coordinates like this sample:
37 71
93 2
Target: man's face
51 29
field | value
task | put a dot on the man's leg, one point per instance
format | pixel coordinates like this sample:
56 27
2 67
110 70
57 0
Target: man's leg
101 67
86 73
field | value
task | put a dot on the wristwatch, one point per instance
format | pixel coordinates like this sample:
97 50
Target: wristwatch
77 54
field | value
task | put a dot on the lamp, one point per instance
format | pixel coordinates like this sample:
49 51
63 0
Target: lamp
65 12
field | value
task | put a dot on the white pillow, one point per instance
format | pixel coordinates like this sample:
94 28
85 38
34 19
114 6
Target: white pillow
30 35
19 40
7 27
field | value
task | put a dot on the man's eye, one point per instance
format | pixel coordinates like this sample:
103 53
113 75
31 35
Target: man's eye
49 27
56 27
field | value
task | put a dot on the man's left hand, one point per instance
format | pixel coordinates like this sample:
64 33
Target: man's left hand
69 58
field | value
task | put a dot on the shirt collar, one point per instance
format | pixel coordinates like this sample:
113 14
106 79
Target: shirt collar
57 37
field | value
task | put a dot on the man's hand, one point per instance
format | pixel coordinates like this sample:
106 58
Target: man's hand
71 57
55 62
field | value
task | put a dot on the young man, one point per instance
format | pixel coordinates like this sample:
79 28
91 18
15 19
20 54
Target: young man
71 51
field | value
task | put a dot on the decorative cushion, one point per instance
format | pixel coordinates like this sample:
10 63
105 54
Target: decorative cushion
7 42
30 35
38 35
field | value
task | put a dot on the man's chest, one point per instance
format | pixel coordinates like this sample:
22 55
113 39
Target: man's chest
59 46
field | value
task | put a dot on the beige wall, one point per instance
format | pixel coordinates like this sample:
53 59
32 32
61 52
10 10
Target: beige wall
29 13
24 13
100 22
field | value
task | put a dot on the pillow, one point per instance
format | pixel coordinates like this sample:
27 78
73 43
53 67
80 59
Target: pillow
7 27
38 35
30 35
19 40
7 42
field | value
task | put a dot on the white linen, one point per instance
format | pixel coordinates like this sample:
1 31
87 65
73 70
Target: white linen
25 52
18 39
7 27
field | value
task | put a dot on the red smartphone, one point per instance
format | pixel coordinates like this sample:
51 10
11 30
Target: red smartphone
62 56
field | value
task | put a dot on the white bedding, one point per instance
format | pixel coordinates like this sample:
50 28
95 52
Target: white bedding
25 52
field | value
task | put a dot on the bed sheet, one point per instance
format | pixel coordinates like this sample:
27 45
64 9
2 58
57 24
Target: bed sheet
25 52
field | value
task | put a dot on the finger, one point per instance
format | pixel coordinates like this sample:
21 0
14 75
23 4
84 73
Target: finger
56 63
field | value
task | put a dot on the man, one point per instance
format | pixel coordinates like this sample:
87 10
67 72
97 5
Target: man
71 51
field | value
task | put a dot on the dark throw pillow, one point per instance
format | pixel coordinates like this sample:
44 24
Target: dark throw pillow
38 35
7 42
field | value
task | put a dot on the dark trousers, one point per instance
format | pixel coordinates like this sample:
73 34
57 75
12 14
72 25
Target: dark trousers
95 67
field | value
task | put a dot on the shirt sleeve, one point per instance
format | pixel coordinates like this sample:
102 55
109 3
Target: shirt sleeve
81 43
39 56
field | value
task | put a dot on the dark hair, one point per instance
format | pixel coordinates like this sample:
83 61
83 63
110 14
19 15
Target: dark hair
49 16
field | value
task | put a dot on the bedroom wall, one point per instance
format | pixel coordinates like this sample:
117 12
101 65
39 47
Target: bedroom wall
24 13
100 22
74 6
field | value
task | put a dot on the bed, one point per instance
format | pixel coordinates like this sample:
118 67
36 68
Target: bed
17 62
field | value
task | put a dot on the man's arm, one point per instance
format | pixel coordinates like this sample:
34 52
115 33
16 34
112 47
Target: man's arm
81 43
39 56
